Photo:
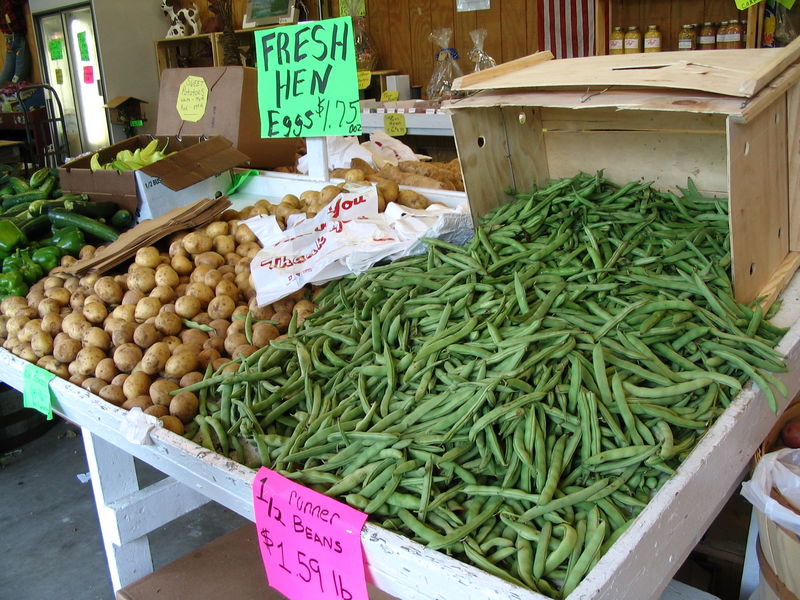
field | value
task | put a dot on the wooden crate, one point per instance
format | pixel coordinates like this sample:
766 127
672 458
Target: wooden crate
187 51
730 124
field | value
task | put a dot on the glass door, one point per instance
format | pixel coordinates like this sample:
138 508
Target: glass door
85 66
59 75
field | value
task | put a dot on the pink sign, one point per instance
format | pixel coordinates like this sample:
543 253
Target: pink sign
88 74
310 544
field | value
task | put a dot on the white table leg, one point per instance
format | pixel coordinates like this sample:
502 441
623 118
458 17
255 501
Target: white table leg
114 477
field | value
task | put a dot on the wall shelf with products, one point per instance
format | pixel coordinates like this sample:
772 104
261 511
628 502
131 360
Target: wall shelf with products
670 16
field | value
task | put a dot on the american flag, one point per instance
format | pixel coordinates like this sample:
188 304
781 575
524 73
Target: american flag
566 27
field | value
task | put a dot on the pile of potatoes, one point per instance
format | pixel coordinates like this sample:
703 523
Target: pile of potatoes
311 202
136 337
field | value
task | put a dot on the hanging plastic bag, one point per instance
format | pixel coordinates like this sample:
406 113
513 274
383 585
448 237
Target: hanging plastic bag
366 56
780 470
446 68
478 54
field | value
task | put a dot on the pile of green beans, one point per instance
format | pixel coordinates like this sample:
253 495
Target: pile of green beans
517 401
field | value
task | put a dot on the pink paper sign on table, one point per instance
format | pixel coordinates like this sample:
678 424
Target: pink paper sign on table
310 543
88 74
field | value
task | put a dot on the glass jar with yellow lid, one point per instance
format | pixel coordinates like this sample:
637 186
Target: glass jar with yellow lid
633 40
652 39
707 40
616 41
687 38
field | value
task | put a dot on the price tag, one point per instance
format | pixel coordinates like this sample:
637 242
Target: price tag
59 77
83 47
310 544
312 90
137 123
395 124
192 98
56 48
745 4
88 74
390 96
364 79
36 390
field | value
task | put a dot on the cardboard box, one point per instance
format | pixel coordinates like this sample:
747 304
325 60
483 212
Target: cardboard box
198 169
228 567
231 111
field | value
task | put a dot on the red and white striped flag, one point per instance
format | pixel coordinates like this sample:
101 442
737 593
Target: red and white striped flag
566 27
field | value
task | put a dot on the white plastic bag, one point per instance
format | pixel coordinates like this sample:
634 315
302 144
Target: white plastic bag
779 470
341 150
347 236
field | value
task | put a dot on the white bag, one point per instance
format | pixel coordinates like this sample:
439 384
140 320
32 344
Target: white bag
779 470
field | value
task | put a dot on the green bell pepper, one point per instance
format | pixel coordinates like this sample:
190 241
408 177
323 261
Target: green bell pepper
10 236
69 240
22 263
48 257
12 284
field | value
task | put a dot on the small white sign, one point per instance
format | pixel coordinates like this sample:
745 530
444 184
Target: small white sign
155 198
469 5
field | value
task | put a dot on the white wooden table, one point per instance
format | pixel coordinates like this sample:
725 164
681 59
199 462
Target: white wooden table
638 567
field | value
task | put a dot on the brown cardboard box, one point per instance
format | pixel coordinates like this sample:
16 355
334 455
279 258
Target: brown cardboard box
228 567
231 111
195 161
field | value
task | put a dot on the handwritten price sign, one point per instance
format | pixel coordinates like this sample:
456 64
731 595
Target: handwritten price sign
395 124
192 98
307 80
310 544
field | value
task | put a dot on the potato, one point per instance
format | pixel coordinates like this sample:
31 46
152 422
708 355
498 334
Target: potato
244 234
72 283
197 243
202 317
76 379
167 276
224 244
160 391
131 297
191 348
106 370
193 336
42 344
95 312
87 251
176 249
95 336
412 199
207 356
15 324
163 293
123 334
58 294
188 306
172 424
93 385
108 290
168 323
4 330
190 378
248 249
87 360
136 385
142 279
148 256
226 288
181 363
155 358
158 410
119 379
236 326
389 190
304 305
182 265
146 334
200 291
220 362
282 319
142 402
220 326
25 352
263 333
210 258
75 325
212 278
302 315
68 260
146 308
244 282
77 297
184 406
52 281
30 329
260 313
112 394
66 349
127 356
216 228
243 350
10 305
221 307
215 343
233 341
172 342
49 363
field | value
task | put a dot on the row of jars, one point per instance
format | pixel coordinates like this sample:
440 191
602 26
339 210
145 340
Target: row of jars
728 34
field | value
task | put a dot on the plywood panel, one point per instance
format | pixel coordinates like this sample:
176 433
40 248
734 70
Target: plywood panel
667 159
464 23
379 25
513 30
491 21
401 57
759 210
421 55
565 119
793 148
532 20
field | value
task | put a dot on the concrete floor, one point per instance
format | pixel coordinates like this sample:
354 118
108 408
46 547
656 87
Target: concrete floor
50 545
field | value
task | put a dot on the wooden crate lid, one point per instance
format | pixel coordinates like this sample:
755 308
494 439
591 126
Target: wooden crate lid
739 73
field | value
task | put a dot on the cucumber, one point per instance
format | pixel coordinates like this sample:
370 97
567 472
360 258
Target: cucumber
19 185
34 225
39 177
96 210
29 196
92 227
122 219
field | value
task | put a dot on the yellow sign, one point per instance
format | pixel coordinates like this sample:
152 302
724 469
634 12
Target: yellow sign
395 124
390 96
364 77
745 4
192 98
